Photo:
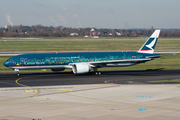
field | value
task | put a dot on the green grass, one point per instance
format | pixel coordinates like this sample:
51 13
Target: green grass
100 45
166 59
89 44
82 44
166 81
2 59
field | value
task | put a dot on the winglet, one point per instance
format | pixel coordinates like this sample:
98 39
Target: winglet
150 44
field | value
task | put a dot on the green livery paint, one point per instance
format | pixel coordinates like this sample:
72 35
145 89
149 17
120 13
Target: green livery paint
83 62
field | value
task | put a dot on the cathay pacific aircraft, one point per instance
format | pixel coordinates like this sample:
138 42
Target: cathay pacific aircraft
84 62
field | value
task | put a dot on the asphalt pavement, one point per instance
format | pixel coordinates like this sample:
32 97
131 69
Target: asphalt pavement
107 77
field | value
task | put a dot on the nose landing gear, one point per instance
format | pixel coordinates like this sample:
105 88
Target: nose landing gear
17 72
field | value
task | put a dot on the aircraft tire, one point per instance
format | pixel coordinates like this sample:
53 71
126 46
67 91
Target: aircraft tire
18 75
97 73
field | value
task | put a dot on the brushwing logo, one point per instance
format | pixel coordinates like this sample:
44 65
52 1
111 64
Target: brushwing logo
151 44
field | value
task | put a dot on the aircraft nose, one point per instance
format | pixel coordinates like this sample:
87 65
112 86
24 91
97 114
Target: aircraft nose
5 63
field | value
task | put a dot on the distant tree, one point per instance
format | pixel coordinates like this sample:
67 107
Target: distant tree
60 31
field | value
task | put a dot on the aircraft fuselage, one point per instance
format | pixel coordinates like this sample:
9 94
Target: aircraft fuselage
63 60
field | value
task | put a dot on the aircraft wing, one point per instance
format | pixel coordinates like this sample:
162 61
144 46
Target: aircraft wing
101 63
153 57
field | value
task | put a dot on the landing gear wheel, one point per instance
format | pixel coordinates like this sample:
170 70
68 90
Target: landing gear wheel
17 74
97 73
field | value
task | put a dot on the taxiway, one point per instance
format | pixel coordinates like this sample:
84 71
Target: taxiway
112 95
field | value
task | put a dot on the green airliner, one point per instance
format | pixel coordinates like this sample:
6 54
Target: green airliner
84 62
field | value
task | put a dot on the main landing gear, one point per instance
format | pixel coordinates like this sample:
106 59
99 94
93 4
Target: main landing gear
96 72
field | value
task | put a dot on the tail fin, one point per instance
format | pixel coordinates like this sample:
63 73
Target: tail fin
150 44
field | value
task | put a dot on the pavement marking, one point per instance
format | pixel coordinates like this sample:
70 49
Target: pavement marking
29 91
144 96
69 90
142 109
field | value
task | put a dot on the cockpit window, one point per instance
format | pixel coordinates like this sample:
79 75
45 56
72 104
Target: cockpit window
10 60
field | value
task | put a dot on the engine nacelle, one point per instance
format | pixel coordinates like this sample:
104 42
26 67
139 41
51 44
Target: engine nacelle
58 69
79 68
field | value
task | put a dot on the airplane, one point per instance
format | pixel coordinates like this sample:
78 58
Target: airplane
84 62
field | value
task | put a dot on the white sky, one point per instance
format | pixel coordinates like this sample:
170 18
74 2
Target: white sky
92 13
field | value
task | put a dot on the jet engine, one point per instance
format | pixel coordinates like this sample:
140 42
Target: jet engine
79 68
58 69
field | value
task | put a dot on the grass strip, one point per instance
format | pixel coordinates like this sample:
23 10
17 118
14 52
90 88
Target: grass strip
166 81
102 44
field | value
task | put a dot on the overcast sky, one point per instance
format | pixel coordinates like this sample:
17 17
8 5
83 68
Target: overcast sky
92 13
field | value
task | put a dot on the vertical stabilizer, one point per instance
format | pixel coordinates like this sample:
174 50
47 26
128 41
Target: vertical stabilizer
150 44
